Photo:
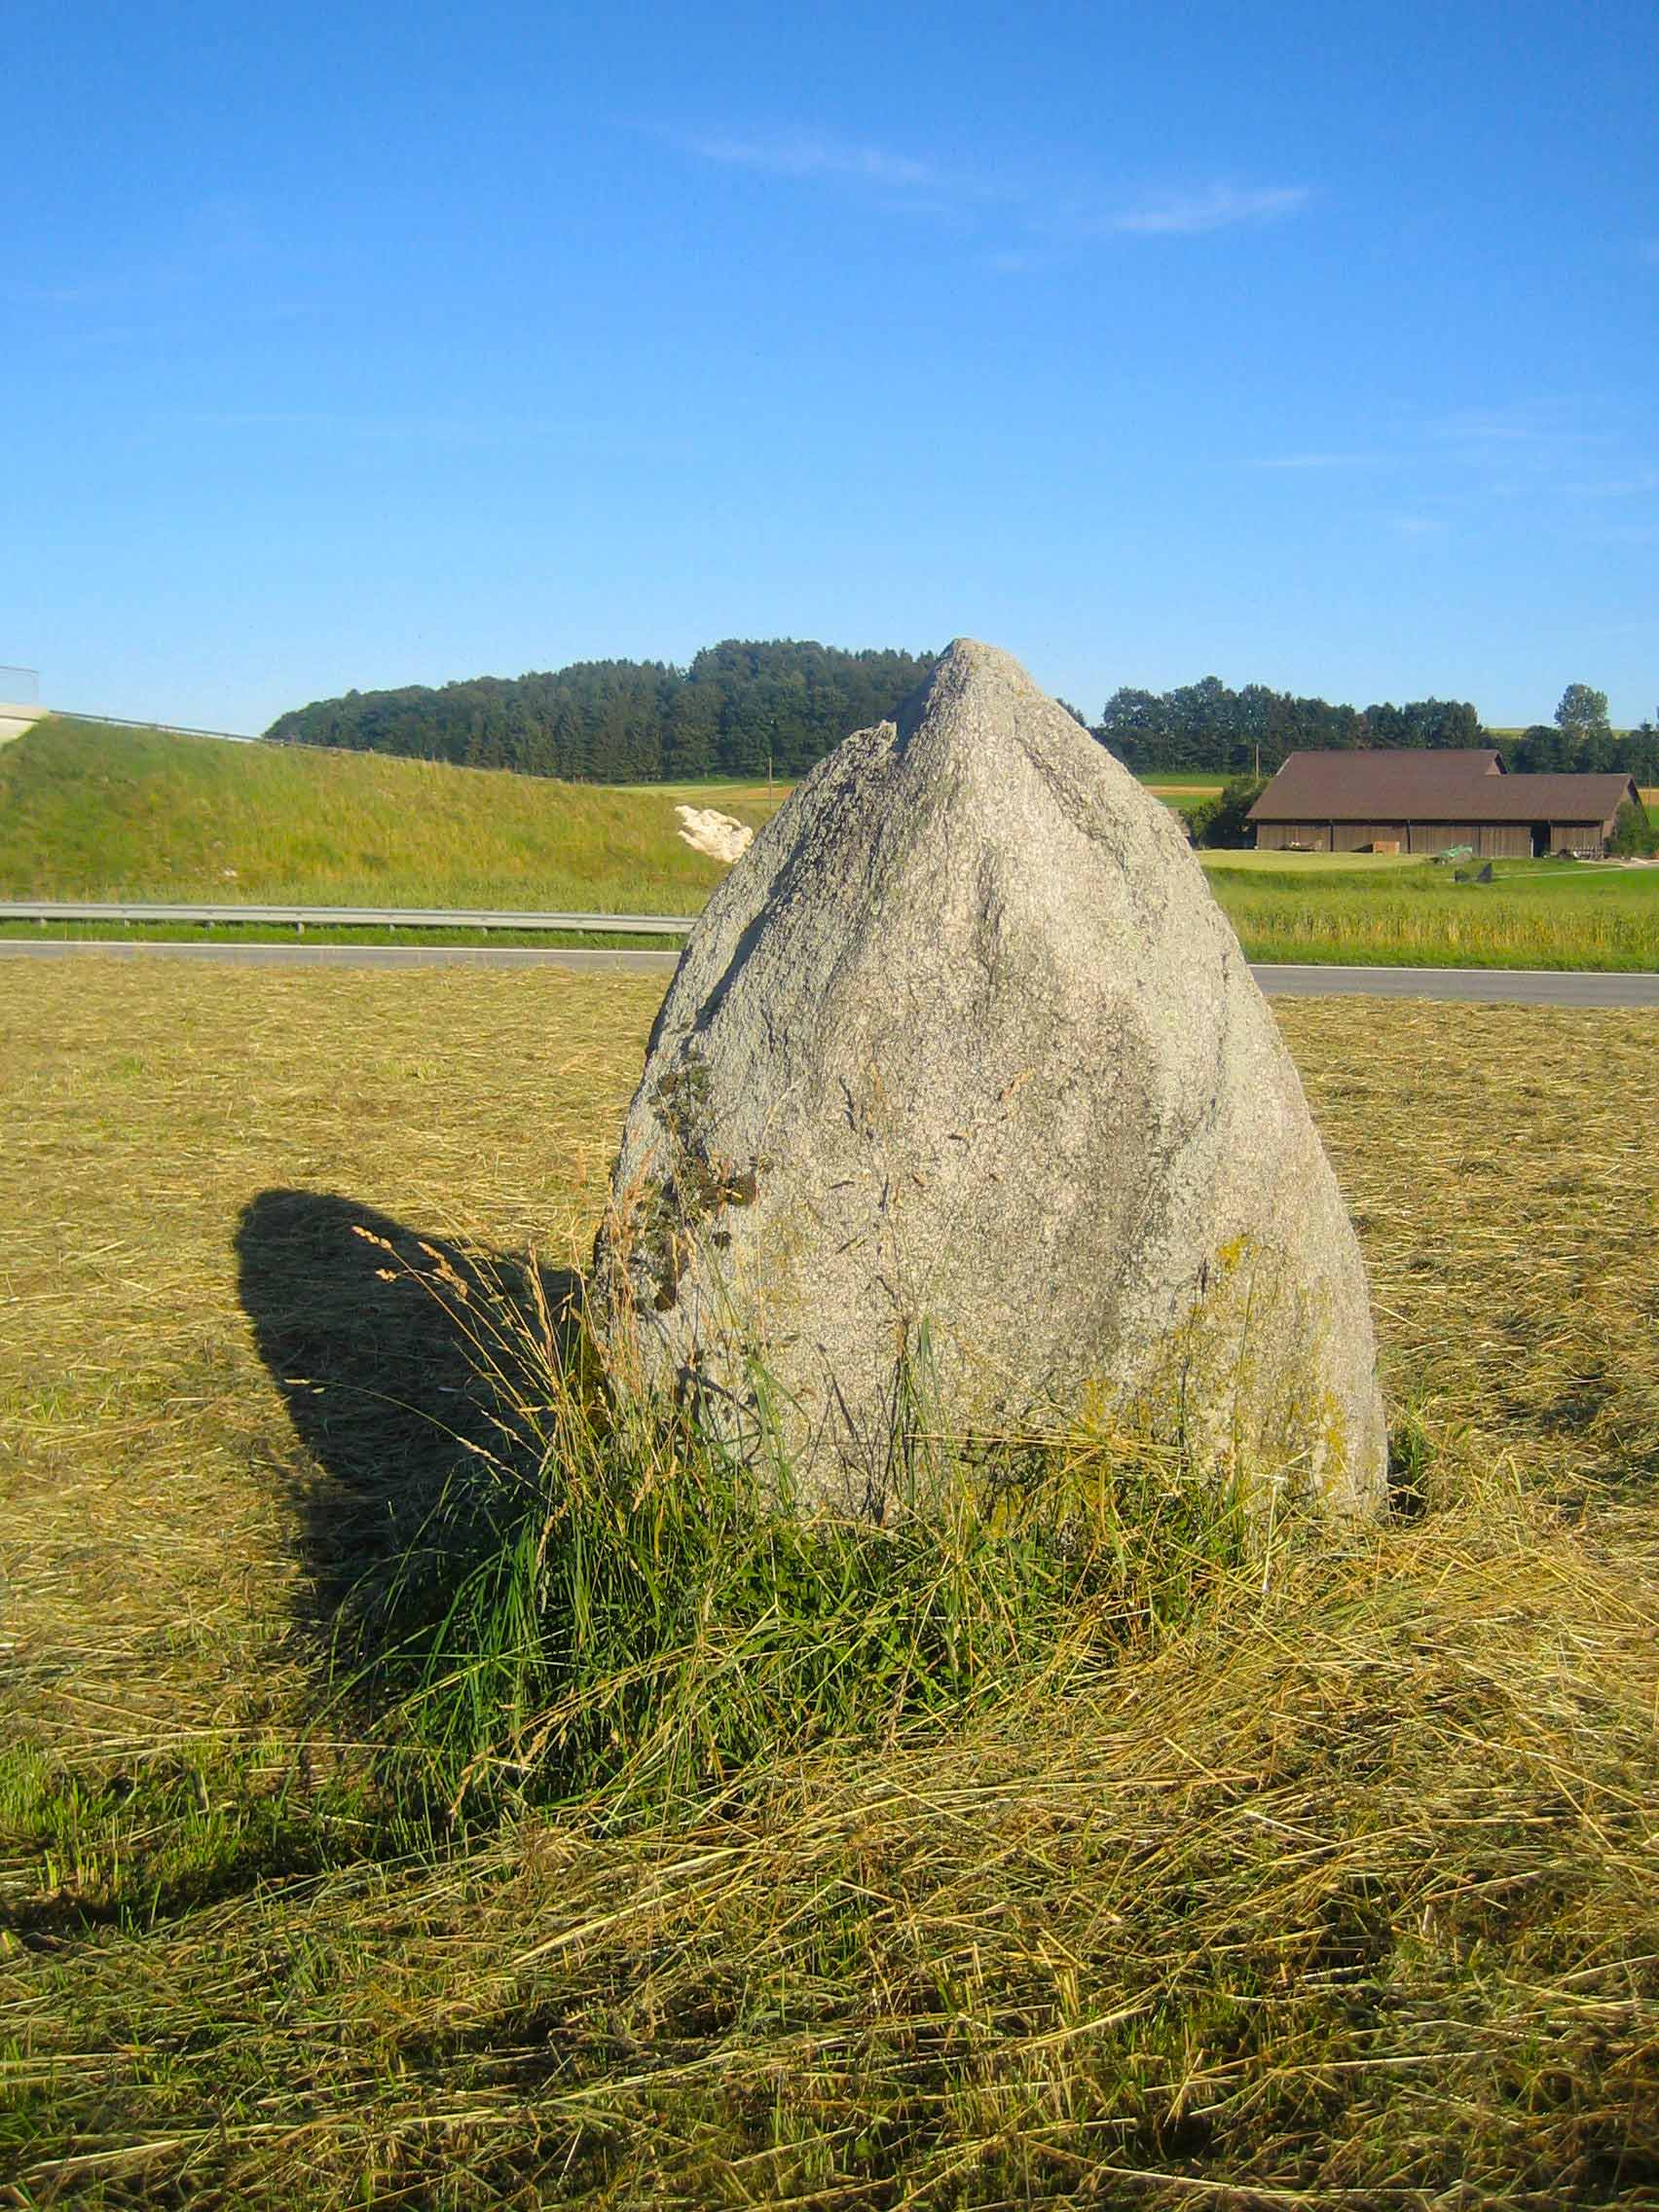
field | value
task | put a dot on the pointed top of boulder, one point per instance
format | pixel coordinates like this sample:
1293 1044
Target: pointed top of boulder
974 655
969 666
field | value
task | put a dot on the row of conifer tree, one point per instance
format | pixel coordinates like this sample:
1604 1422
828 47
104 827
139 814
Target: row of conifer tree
750 708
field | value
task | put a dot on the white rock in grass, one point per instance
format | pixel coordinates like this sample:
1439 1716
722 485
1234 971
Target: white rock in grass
721 837
963 1064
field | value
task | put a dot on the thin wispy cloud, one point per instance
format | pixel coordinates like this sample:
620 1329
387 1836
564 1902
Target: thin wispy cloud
1513 450
423 430
1492 429
1216 207
221 238
805 154
1640 483
1322 460
1467 467
298 428
1045 222
1520 423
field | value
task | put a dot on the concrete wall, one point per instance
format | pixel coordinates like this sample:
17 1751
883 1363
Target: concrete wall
14 721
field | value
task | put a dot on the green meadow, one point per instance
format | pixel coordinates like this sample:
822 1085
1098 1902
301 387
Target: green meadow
95 813
92 812
1380 910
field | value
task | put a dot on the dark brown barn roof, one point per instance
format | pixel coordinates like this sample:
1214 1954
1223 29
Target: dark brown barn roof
1452 785
1380 786
1554 798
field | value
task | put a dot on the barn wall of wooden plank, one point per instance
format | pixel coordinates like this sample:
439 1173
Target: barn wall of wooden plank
1441 837
1584 838
1490 840
1360 836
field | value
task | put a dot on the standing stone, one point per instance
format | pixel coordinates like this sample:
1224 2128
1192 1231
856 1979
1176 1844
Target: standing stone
963 1090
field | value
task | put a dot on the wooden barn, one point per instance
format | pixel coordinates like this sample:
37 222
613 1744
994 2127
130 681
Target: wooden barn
1430 802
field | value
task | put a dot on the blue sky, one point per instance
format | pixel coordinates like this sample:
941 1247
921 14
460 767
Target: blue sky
363 345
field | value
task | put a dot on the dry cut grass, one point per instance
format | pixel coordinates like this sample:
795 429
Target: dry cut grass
1342 1894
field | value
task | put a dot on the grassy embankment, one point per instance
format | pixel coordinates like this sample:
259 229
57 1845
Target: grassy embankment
88 812
1335 1885
102 814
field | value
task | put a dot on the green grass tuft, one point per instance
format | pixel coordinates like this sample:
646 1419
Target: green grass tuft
607 1605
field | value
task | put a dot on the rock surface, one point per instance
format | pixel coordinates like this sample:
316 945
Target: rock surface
963 1069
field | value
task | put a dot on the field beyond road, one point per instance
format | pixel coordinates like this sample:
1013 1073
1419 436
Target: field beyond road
1533 914
1341 1891
93 813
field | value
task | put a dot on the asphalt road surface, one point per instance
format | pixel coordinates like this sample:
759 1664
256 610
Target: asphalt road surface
1512 986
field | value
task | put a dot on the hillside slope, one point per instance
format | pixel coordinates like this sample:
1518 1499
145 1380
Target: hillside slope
89 811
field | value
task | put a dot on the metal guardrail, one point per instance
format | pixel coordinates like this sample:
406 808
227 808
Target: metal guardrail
240 737
167 729
301 918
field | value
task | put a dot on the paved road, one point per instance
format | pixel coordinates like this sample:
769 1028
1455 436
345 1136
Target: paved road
1515 986
1509 986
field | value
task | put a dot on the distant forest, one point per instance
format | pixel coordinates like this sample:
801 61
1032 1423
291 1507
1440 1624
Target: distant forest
1206 727
744 707
739 708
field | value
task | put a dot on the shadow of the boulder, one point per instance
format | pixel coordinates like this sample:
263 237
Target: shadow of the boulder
406 1363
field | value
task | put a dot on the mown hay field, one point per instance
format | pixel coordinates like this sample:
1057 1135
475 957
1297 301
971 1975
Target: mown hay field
1344 1893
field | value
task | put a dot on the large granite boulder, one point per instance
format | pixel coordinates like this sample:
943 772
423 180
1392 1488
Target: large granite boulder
963 1108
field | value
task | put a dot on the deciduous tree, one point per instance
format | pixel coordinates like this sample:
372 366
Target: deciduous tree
1582 715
